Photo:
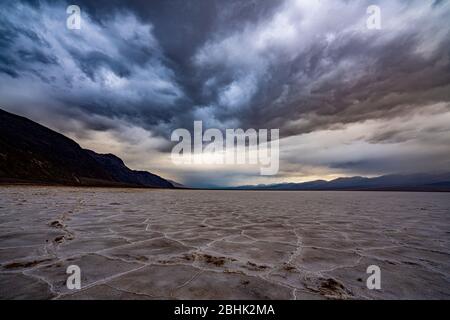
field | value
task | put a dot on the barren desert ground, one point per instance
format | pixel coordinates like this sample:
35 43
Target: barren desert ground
190 244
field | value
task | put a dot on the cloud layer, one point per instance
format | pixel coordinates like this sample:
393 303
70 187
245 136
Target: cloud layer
347 99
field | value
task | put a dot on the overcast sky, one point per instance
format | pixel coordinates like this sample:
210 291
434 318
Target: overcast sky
348 100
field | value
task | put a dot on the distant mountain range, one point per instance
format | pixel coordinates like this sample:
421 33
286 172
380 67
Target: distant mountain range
395 182
32 153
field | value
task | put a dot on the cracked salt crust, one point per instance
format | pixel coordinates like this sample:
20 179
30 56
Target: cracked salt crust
172 244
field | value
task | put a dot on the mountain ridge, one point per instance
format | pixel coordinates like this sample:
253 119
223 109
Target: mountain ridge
392 182
32 153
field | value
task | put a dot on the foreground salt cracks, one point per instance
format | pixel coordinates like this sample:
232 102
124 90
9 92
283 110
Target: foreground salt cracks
195 244
241 147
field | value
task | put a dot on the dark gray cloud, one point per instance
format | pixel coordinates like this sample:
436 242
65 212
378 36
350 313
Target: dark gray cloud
301 66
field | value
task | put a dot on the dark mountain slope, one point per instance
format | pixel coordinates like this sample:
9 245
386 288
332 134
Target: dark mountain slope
32 153
120 172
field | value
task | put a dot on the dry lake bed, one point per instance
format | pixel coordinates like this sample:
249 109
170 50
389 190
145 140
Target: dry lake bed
169 244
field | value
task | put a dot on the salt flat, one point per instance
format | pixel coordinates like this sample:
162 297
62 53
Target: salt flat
188 244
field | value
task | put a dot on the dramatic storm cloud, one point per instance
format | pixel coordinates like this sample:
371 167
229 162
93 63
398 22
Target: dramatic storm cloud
347 99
